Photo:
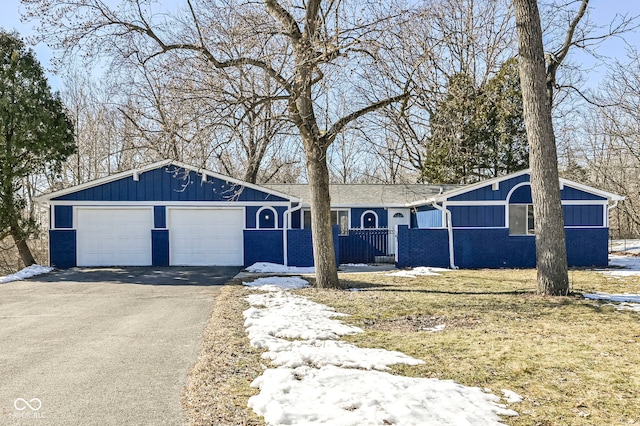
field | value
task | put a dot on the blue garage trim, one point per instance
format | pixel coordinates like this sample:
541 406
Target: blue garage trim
263 246
63 216
160 247
62 248
169 183
477 216
159 217
583 215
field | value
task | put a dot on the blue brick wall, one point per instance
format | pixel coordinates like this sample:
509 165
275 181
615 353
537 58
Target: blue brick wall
160 247
62 248
63 216
263 245
300 246
422 247
495 248
587 247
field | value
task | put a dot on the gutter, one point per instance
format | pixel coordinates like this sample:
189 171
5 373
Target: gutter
285 227
447 215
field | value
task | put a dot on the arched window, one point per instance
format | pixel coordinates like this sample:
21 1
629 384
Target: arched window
369 219
520 210
398 215
266 218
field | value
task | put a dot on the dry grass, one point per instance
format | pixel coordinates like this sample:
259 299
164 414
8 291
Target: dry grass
575 362
218 385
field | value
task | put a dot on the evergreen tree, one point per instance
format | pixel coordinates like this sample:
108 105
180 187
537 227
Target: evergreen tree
35 135
477 132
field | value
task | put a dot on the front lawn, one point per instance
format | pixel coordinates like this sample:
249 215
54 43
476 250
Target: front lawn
574 361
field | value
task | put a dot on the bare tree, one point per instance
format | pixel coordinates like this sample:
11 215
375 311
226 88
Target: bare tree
306 49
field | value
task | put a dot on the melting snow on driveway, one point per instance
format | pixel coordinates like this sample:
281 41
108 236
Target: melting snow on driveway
28 272
320 380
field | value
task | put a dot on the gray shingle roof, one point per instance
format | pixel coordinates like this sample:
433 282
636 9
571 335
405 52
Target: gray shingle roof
368 194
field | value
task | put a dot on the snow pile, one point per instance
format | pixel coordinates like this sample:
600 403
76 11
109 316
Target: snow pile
630 266
321 380
419 271
275 268
28 272
625 301
276 283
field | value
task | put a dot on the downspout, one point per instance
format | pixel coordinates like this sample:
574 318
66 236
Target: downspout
285 227
447 216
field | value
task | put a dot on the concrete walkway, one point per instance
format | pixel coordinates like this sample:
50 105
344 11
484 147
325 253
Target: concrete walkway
104 346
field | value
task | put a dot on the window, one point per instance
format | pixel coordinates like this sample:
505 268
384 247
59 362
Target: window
338 217
398 215
521 219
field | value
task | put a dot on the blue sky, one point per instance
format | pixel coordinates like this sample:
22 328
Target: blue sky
603 12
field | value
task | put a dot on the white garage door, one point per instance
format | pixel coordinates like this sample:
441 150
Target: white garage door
204 237
114 237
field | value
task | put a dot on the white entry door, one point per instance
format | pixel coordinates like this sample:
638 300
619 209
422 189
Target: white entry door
396 217
113 236
206 236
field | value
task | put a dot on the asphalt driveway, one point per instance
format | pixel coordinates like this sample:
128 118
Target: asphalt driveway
102 346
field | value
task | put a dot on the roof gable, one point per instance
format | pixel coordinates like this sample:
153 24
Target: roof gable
167 181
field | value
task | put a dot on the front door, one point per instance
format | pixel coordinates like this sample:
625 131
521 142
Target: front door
396 217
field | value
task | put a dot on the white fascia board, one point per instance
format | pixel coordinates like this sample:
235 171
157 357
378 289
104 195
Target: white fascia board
44 198
591 190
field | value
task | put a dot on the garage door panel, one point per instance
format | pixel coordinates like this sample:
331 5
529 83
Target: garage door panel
110 237
203 237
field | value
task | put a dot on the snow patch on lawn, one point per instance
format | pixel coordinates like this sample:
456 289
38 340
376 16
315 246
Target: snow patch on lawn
277 283
28 272
419 271
266 267
511 397
347 397
630 266
626 301
323 381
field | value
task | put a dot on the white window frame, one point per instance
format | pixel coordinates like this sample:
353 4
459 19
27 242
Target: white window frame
362 219
304 211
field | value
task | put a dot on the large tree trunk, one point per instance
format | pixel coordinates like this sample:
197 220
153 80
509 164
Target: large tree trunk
551 253
23 248
324 256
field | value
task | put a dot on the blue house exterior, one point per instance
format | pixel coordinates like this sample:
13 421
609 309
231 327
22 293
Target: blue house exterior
169 213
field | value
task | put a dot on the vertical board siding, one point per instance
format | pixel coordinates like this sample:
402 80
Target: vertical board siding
583 215
477 216
62 248
63 216
487 192
569 193
159 217
160 247
263 246
169 184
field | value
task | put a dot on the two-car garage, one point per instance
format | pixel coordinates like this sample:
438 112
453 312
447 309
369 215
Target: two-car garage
198 236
